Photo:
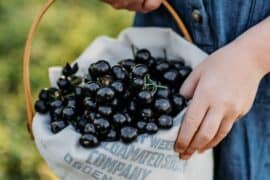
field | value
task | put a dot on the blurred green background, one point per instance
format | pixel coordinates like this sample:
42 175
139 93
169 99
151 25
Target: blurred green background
68 28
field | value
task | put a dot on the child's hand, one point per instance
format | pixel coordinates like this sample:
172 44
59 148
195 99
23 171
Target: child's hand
222 89
135 5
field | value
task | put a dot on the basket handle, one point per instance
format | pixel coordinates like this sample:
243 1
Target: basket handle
27 53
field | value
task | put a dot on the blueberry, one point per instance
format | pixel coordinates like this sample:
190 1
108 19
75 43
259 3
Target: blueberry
112 136
131 107
89 141
141 125
119 120
163 93
68 113
119 73
178 64
41 107
151 128
89 115
172 78
178 102
119 87
105 110
161 67
136 84
57 126
142 56
105 94
127 95
89 104
144 97
68 70
146 113
128 134
165 122
140 70
79 92
162 106
89 129
64 83
129 118
99 68
91 88
44 95
56 104
128 64
102 125
184 72
105 80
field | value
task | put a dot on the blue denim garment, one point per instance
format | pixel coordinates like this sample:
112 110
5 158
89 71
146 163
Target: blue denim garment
245 153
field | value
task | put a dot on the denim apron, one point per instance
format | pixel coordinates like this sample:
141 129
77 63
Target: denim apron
245 153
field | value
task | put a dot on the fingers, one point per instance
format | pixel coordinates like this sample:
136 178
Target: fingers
135 5
206 132
192 120
224 129
190 84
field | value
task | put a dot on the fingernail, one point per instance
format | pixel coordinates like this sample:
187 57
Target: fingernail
185 156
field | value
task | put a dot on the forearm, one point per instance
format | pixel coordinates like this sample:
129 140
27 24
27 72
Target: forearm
256 43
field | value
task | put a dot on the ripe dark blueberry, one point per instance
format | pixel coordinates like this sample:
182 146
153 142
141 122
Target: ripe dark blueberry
119 120
178 64
89 129
144 97
91 88
119 73
89 115
128 64
128 134
141 125
105 110
162 106
105 80
72 103
162 93
105 94
89 141
146 113
57 126
80 123
151 63
184 72
64 83
142 56
119 87
131 107
68 70
140 70
151 128
89 104
56 104
44 95
99 68
69 113
112 136
136 84
102 125
41 107
57 112
165 122
172 78
127 95
79 92
178 102
162 67
129 118
116 103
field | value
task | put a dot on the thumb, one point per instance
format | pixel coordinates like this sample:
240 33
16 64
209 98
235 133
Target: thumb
188 88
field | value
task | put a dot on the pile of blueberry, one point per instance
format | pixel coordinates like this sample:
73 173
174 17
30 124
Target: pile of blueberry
117 102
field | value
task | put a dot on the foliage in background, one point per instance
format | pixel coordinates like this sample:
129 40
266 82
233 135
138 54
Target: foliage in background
67 29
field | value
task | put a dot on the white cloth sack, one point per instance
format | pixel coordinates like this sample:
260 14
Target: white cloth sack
150 157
